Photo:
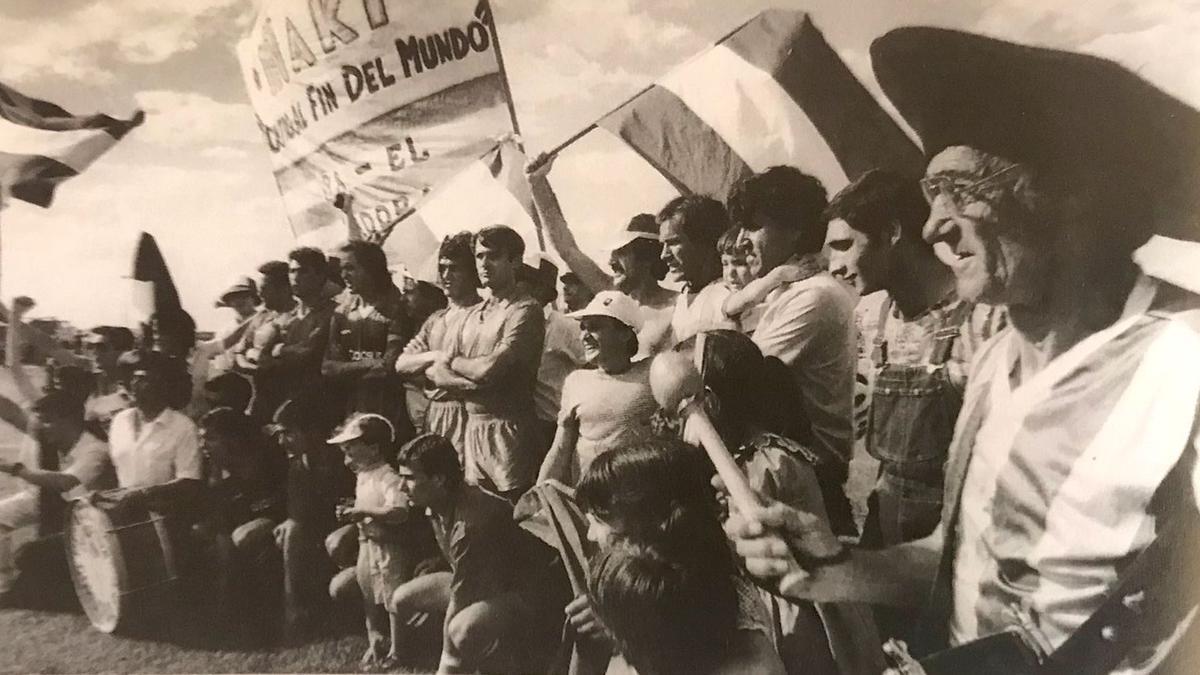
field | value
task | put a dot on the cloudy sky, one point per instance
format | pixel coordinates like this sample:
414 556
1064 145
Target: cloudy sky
197 175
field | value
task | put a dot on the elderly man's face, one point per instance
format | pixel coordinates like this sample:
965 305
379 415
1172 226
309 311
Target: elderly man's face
993 259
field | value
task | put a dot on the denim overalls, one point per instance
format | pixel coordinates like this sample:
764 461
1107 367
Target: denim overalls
911 424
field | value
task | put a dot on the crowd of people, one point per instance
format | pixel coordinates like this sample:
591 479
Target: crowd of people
488 453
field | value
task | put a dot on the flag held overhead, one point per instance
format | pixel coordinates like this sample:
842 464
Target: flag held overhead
42 145
772 92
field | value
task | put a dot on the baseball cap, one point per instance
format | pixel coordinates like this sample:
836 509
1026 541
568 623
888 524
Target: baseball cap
371 428
615 305
641 226
242 285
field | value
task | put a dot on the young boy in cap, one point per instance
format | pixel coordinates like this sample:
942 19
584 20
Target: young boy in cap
606 406
381 511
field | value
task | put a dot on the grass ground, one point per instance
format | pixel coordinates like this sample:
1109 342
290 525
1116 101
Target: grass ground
62 641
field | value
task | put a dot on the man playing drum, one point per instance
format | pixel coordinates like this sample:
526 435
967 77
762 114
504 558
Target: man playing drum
155 448
60 461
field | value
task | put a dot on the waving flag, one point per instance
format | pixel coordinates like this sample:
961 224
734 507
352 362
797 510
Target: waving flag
41 144
382 100
153 289
491 190
772 92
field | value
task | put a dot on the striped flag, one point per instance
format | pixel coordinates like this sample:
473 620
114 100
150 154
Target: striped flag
492 190
41 145
772 92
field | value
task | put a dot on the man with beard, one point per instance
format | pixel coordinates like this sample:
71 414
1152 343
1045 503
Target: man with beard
1070 506
367 332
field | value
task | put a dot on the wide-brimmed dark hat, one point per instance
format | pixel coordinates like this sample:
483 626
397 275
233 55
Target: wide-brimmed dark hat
545 274
1073 118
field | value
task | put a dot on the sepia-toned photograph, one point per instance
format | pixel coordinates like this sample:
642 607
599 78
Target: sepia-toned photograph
600 337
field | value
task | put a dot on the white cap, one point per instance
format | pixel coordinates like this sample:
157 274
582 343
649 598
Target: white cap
616 305
376 429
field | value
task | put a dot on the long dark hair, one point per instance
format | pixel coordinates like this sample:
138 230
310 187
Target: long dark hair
658 491
751 390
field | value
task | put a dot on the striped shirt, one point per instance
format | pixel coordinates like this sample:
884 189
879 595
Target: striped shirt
1061 470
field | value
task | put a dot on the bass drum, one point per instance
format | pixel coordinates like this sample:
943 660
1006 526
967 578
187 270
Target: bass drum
121 561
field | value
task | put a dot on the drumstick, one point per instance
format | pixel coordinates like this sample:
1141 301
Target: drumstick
676 385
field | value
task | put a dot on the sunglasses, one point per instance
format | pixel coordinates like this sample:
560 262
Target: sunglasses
960 192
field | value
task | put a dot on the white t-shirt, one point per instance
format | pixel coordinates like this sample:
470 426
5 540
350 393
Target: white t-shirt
153 452
809 325
701 311
613 410
562 353
86 461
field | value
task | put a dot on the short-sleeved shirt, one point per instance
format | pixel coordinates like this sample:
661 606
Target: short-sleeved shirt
439 333
613 410
561 354
101 408
379 546
701 311
361 330
153 452
515 324
809 325
88 461
488 552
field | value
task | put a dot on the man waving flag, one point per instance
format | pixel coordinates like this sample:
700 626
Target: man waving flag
41 145
771 92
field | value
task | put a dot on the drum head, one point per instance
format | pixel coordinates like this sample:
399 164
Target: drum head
94 558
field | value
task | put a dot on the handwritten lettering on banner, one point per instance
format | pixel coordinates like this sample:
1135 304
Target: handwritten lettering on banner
383 99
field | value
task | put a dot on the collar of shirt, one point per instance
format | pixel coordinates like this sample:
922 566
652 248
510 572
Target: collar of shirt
140 422
810 266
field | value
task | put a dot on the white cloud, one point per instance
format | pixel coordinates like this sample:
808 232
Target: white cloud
565 75
71 46
1156 38
210 222
177 119
224 152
